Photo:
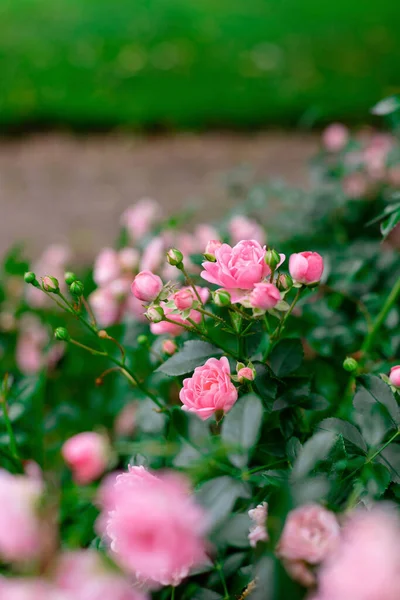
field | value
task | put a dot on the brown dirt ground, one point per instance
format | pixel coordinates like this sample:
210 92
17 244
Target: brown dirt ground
57 188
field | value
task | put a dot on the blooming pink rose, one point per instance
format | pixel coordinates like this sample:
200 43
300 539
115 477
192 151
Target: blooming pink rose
306 267
106 267
153 255
169 347
335 137
209 390
212 246
83 575
175 328
237 269
394 376
20 528
246 374
146 286
264 296
243 228
258 531
155 528
106 307
139 219
87 455
366 564
310 533
184 298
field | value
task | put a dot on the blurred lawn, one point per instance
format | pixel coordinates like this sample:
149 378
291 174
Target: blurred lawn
182 63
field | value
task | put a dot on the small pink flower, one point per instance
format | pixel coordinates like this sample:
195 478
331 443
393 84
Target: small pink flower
154 255
21 534
140 218
237 269
243 228
155 527
54 260
169 347
264 296
106 267
310 534
128 259
355 185
146 286
306 267
246 374
125 421
83 575
106 307
258 531
335 137
394 376
366 564
175 328
184 298
209 390
87 455
212 246
203 233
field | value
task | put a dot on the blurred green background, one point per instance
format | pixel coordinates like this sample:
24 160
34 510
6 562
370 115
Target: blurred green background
195 64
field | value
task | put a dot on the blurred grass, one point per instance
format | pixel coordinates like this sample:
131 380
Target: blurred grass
199 63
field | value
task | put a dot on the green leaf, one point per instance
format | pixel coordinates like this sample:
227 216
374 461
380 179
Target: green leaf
315 449
234 532
346 429
293 448
241 428
265 383
382 394
390 457
377 478
286 357
387 106
219 495
390 223
203 594
193 354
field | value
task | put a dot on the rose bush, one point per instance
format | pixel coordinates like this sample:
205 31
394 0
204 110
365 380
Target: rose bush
216 415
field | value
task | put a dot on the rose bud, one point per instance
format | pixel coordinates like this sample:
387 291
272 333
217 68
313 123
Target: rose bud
394 376
272 259
174 257
50 284
222 298
169 347
184 299
284 283
155 314
246 374
350 364
30 277
77 288
264 296
61 334
87 455
209 252
306 267
146 286
69 277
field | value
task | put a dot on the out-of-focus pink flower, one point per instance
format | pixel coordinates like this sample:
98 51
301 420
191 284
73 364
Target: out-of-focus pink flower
87 455
258 531
18 588
356 185
83 575
31 354
335 137
20 529
139 218
155 528
169 347
175 328
366 564
135 308
203 233
212 246
376 153
154 255
310 534
128 259
394 376
106 267
106 307
306 267
209 390
53 262
184 298
246 374
243 228
125 421
264 296
146 286
237 269
301 572
394 176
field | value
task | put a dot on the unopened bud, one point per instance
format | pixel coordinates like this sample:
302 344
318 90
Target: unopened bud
169 347
103 335
284 283
62 334
142 340
76 288
222 298
155 314
69 277
350 364
246 374
209 252
175 257
30 277
50 284
272 259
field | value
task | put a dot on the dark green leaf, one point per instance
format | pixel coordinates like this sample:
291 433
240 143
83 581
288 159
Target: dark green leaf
286 357
193 354
219 495
390 223
346 429
390 457
234 531
265 383
315 449
241 428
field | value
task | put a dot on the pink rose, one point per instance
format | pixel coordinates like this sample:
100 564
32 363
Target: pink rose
355 185
106 267
153 255
209 390
139 219
243 228
21 534
306 267
264 296
87 455
335 137
83 575
203 233
394 376
125 421
128 259
146 286
155 528
258 531
106 307
310 533
175 328
366 564
246 374
237 269
54 261
184 298
212 246
169 347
